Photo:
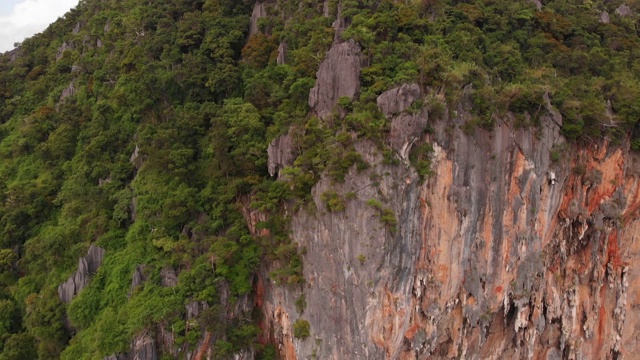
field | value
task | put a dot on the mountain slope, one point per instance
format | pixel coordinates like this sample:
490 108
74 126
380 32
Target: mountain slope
362 179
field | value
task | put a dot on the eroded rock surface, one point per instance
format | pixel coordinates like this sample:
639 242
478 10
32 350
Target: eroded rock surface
64 47
87 266
351 257
168 277
68 91
338 76
280 153
282 53
259 12
143 348
395 101
406 126
139 277
624 10
502 254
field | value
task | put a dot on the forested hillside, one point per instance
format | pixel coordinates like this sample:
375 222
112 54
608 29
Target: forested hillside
141 128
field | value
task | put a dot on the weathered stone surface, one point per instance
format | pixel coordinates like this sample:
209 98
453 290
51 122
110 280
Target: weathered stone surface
76 69
406 128
352 246
76 29
339 24
64 47
87 266
138 278
87 42
15 54
135 158
168 277
68 91
395 101
490 258
143 348
259 12
194 308
99 43
282 53
325 8
605 18
338 76
624 10
280 153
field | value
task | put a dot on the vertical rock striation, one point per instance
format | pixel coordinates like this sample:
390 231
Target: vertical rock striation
503 253
87 266
338 76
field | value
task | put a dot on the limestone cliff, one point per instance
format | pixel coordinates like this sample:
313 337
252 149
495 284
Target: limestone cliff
519 246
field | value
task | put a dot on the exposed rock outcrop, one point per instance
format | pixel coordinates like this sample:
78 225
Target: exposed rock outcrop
280 152
168 277
135 158
605 18
194 308
259 12
325 8
341 280
87 266
395 101
143 348
15 54
624 10
69 91
504 253
338 76
77 28
406 127
339 24
64 47
282 53
138 278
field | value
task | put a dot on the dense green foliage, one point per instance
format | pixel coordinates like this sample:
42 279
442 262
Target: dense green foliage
180 84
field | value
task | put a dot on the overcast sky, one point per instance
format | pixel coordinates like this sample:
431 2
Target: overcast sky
19 19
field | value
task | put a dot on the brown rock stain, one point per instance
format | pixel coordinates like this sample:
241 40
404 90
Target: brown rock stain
204 347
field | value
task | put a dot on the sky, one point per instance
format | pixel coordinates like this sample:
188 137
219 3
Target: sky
20 19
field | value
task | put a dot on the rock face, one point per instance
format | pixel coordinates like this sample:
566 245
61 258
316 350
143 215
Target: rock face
338 76
280 152
64 47
397 100
87 266
502 254
68 91
406 127
259 12
624 10
139 277
168 277
348 250
143 348
282 53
